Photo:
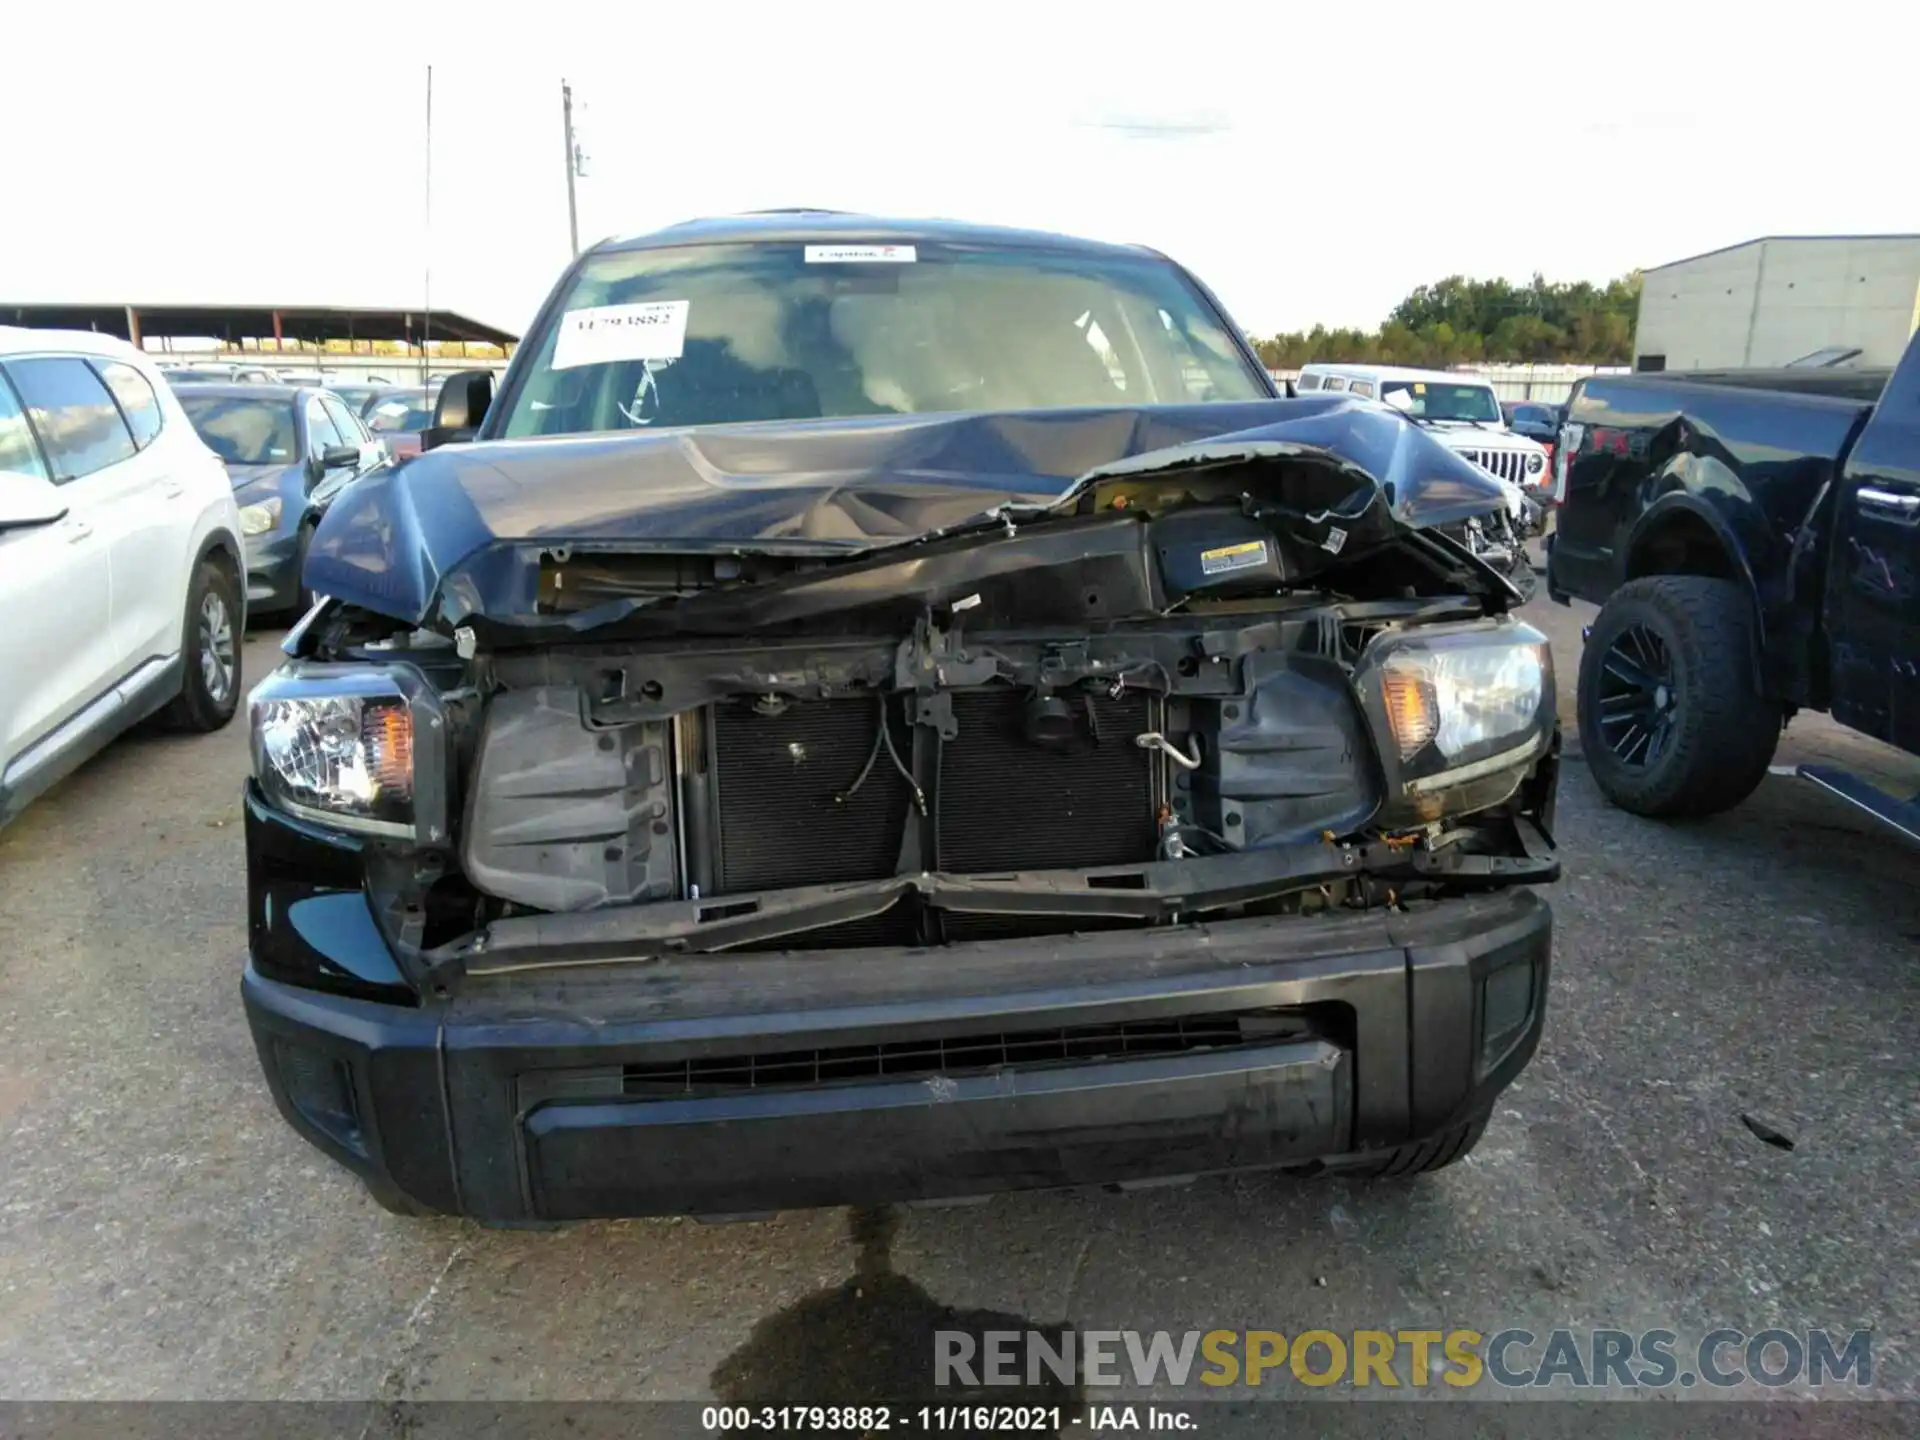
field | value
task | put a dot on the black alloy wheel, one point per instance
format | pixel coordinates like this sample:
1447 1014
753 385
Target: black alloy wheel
1638 697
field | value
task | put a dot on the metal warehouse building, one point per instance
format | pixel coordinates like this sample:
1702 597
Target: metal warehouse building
1778 299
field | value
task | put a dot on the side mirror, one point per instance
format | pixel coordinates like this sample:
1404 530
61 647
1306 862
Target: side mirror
27 501
459 408
340 457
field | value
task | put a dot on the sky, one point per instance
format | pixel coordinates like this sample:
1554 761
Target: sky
1311 163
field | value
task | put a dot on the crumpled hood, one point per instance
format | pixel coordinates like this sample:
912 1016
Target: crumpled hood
428 538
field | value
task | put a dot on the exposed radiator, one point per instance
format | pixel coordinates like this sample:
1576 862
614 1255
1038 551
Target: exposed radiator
777 777
1004 803
998 801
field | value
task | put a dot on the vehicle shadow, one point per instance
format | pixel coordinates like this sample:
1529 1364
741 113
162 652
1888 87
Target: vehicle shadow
873 1339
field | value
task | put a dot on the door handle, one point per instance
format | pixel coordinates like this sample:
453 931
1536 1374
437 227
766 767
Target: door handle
1888 502
77 530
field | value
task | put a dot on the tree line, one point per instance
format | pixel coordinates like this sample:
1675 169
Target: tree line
1462 322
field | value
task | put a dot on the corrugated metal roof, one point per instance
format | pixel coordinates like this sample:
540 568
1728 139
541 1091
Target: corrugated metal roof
297 322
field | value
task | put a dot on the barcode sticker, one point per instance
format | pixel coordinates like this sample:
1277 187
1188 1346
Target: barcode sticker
861 255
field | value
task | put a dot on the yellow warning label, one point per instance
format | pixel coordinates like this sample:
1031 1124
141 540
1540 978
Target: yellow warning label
1228 558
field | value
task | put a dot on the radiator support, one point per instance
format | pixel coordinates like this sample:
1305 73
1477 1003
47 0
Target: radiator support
810 793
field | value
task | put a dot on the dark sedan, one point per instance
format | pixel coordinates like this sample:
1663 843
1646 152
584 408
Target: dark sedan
1535 419
360 395
288 450
184 376
398 417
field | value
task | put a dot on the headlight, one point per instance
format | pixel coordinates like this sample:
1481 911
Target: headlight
1536 462
352 746
1460 710
261 518
1461 699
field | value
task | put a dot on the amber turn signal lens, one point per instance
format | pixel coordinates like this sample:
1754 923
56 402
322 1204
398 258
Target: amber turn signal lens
387 733
1410 710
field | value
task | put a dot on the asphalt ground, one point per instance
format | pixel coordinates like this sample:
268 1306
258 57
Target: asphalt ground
163 1234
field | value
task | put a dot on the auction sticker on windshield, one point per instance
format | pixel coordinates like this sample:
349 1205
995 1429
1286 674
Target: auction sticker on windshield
599 334
861 254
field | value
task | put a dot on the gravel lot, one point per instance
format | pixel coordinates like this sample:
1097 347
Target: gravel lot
163 1234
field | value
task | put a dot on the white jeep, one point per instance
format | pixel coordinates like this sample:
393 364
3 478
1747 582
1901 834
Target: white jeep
1462 413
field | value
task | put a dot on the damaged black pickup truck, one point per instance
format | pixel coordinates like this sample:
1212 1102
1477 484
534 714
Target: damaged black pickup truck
888 713
1753 540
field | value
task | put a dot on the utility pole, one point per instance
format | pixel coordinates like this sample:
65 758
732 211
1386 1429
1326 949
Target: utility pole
426 231
573 164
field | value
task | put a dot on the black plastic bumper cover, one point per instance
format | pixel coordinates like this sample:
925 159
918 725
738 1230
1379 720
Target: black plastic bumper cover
506 1102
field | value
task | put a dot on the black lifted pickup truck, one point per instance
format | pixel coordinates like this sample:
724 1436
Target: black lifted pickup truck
1753 539
877 713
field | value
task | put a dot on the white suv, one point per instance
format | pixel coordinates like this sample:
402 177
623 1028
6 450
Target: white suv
120 558
1462 412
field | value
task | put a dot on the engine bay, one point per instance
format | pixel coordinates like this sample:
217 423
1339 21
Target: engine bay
1169 695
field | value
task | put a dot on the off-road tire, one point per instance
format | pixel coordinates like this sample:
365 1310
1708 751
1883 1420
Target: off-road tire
1723 730
396 1202
199 707
1436 1152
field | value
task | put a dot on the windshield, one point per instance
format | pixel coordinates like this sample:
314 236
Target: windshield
1438 400
405 411
717 334
244 432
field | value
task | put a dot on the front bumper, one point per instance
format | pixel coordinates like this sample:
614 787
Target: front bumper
744 1083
